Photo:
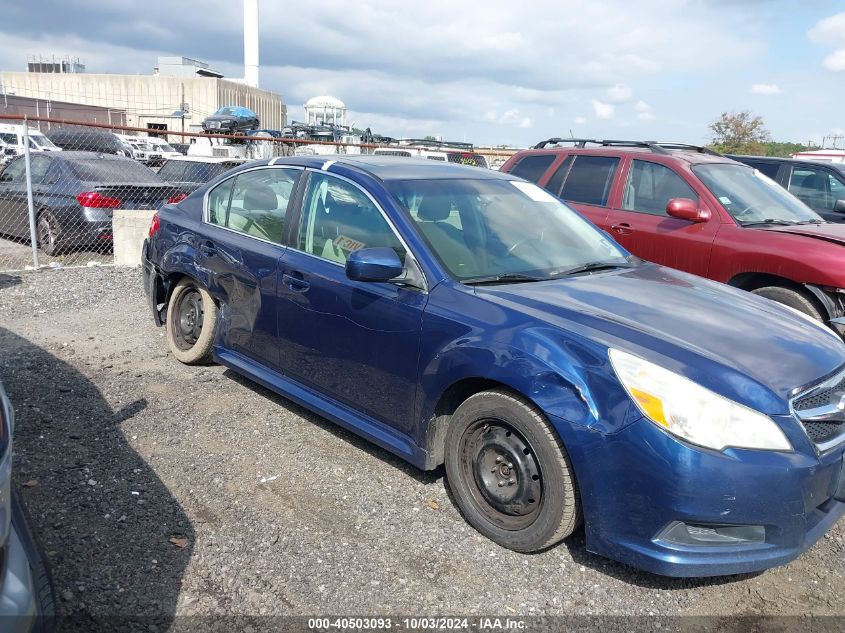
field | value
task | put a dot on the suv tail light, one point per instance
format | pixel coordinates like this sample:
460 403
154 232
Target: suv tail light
155 225
177 197
96 200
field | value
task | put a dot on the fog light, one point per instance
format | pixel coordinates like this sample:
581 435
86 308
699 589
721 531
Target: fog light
694 534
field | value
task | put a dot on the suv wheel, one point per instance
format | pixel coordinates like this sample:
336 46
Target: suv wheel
510 474
791 298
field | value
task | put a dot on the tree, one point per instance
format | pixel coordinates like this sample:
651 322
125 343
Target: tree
739 132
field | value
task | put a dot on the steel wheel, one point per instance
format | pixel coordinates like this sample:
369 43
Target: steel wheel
508 484
191 323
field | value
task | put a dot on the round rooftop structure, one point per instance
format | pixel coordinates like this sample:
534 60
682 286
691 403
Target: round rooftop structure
325 109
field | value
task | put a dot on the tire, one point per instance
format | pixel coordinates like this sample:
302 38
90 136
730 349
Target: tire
191 322
509 473
49 233
791 298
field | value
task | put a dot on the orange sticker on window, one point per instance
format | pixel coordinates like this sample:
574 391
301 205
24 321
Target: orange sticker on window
347 243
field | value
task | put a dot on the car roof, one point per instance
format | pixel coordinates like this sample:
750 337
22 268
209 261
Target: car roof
80 155
206 159
392 167
689 156
783 159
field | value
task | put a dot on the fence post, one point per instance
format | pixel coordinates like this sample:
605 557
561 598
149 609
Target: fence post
33 234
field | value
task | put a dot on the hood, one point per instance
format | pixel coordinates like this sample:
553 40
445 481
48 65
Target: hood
718 336
828 231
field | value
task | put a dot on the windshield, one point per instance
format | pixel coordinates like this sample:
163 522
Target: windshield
752 198
234 111
41 141
497 228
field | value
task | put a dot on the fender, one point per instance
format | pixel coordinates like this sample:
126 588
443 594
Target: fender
567 380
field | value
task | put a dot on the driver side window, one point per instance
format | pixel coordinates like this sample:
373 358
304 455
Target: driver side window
14 171
651 186
337 219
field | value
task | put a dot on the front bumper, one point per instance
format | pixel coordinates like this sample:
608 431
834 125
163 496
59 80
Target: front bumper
636 482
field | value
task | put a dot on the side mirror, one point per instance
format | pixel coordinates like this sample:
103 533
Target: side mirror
10 151
686 209
373 264
839 206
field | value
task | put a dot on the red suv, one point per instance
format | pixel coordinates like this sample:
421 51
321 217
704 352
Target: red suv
689 208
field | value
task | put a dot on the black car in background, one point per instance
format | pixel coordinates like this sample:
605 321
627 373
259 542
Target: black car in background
74 195
821 186
189 172
231 119
27 601
89 140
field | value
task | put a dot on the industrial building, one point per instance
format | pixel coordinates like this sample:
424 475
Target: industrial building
31 107
180 92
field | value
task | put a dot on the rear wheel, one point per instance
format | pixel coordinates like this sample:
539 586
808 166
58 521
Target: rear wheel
509 473
191 322
791 298
49 232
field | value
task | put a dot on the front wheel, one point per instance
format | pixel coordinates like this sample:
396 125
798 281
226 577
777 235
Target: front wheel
191 322
510 474
791 298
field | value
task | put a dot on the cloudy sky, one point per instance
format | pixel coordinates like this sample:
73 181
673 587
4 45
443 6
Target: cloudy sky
494 71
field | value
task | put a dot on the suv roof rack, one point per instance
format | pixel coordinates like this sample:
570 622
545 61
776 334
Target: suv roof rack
658 147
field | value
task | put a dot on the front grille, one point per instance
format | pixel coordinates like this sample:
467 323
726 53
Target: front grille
821 410
828 396
823 431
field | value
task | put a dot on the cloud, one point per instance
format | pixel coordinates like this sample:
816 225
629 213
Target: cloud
432 65
831 31
579 120
644 111
765 89
835 61
603 110
619 93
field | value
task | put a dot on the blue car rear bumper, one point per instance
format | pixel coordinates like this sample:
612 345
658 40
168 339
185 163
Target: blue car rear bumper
640 481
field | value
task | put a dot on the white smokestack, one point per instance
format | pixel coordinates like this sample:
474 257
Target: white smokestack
251 43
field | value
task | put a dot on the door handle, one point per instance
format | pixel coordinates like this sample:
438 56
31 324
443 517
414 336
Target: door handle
295 282
207 247
623 228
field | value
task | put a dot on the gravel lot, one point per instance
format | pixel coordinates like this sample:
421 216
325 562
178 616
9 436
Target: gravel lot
163 489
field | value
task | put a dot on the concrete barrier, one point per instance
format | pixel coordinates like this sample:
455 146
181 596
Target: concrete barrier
129 229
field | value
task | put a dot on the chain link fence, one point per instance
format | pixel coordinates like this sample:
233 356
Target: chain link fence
62 181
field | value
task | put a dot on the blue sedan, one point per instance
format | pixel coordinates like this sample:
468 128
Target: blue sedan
466 317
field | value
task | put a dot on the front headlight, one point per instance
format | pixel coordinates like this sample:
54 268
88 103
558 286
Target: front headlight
691 412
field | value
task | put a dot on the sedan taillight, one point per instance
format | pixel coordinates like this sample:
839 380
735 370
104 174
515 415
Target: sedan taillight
96 200
155 225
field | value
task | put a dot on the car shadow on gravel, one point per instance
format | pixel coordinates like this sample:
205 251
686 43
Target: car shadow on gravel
115 537
422 476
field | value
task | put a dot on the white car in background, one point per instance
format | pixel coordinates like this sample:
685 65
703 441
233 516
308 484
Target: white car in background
11 142
139 147
160 151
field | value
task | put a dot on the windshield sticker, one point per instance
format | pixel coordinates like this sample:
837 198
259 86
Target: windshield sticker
347 243
724 200
533 191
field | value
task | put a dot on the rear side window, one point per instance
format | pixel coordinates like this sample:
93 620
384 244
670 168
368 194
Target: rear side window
650 186
555 182
590 179
533 167
817 188
172 171
765 168
254 203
